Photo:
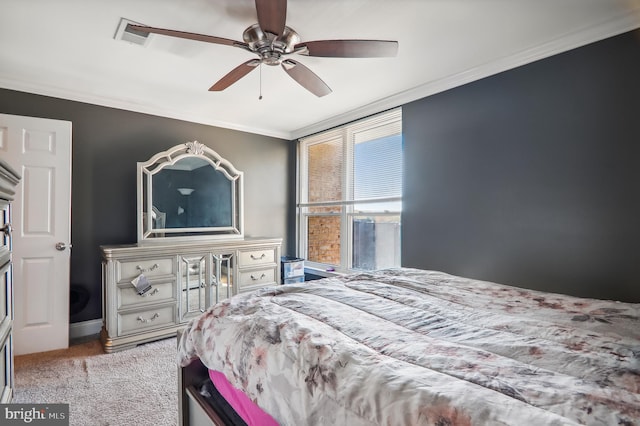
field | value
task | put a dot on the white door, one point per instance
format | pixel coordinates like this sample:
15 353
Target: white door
40 150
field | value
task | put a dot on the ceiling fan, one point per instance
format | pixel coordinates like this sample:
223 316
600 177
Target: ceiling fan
272 41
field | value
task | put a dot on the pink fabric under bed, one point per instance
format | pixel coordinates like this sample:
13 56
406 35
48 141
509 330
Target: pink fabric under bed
247 409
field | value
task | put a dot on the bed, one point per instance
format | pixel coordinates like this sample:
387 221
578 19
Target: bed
412 347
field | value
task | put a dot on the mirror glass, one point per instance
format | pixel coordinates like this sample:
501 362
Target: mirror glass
222 277
191 194
186 192
193 283
204 281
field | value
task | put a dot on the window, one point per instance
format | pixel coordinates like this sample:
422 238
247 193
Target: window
351 195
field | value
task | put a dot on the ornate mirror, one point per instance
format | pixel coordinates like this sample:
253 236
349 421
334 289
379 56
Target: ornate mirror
189 191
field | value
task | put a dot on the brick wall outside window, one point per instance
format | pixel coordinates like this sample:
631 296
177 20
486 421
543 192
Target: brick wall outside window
324 239
325 184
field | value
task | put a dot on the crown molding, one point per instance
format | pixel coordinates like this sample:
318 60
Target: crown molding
133 106
628 22
569 41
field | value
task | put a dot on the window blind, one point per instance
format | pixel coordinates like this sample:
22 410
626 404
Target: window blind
358 163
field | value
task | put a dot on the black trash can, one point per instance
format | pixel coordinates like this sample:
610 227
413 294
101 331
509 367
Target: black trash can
78 299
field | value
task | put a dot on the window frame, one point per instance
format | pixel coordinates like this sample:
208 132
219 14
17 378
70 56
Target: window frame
385 124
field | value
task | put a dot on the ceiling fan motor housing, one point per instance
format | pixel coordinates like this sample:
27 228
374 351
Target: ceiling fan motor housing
270 47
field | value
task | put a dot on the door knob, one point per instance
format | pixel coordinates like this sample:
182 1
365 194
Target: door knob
61 246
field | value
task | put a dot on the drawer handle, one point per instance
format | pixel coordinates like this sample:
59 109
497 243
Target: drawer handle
142 270
155 291
143 320
6 229
258 258
259 278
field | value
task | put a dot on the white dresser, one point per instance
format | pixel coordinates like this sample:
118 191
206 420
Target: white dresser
183 279
8 181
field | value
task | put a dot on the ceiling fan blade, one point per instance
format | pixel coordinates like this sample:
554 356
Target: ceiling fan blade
349 48
306 78
190 36
272 15
234 75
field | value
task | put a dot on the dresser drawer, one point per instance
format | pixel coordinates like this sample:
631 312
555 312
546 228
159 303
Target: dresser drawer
251 258
128 296
257 277
5 368
128 270
4 285
157 317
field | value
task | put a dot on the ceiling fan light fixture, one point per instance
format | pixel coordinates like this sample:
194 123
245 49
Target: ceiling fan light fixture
270 58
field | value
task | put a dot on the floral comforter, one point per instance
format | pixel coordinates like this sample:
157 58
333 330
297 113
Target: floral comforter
412 347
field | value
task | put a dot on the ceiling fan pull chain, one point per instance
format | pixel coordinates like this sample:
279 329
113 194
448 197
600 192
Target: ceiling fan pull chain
260 97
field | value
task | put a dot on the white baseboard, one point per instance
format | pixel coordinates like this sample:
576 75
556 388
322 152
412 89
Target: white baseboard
85 328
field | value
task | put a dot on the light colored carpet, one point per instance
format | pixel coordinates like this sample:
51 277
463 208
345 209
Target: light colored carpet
137 387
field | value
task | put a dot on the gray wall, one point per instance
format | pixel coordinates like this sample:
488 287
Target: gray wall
529 177
532 177
107 144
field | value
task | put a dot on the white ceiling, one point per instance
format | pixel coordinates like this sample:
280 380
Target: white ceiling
67 49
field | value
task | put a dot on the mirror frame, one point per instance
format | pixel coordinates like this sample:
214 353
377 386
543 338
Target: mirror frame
146 171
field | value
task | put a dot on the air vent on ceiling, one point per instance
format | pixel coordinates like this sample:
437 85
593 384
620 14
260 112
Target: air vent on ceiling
126 33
